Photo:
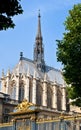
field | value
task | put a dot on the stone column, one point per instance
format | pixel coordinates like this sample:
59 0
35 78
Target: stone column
64 99
3 90
7 80
34 89
3 83
54 97
26 92
44 98
17 87
77 125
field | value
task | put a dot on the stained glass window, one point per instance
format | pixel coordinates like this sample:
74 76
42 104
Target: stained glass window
21 92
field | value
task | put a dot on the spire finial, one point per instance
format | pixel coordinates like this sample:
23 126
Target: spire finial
2 72
39 13
8 72
39 26
34 76
21 55
28 72
45 77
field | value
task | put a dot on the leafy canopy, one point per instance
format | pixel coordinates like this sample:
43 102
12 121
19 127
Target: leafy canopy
8 9
69 53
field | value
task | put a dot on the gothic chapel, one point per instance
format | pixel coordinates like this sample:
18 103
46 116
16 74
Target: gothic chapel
35 81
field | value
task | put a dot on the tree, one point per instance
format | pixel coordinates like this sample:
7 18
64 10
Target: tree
8 9
69 53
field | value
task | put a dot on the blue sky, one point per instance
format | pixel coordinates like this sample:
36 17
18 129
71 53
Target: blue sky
22 37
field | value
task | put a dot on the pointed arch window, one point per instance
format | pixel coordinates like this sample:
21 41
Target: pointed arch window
21 92
13 91
30 90
49 97
39 92
59 100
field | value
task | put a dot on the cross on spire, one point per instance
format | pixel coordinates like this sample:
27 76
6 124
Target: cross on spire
39 26
39 14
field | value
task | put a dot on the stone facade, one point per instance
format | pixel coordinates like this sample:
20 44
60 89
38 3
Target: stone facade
35 81
36 90
6 106
39 84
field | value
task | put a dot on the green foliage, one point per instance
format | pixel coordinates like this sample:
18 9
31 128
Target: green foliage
8 9
69 53
72 94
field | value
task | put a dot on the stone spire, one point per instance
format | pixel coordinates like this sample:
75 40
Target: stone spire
39 27
38 48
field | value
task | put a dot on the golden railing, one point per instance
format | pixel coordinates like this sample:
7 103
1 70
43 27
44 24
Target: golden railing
6 124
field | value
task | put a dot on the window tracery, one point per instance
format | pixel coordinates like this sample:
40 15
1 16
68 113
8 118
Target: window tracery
59 100
30 90
13 90
49 97
21 92
39 94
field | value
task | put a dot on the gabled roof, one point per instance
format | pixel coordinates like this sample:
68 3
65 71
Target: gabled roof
52 74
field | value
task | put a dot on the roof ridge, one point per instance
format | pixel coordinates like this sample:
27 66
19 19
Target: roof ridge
24 58
52 68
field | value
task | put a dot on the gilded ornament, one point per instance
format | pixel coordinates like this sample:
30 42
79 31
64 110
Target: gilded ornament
25 105
20 128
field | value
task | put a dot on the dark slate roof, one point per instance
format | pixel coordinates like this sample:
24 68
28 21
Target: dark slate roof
53 75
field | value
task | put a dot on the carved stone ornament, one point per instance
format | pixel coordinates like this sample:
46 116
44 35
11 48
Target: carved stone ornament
24 106
20 128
